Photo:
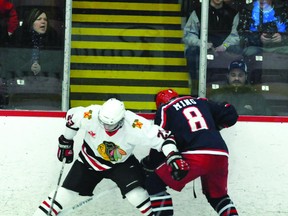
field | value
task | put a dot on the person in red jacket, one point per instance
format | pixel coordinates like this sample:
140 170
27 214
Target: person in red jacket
8 20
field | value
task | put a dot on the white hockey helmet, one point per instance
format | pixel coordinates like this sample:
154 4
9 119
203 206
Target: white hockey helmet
111 114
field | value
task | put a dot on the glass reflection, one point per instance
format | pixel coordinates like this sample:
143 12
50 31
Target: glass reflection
262 33
31 62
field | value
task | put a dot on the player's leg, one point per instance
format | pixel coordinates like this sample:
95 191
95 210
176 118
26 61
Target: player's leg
139 198
161 200
197 168
79 181
223 205
157 184
62 200
214 187
130 179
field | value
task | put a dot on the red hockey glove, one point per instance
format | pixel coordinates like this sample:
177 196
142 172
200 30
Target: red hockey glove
65 149
179 167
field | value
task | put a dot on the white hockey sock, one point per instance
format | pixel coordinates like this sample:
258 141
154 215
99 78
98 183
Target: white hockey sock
62 200
139 198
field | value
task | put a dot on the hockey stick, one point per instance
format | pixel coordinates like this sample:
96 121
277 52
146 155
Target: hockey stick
57 187
84 202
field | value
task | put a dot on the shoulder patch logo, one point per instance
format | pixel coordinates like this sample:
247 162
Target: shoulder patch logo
137 124
88 114
69 120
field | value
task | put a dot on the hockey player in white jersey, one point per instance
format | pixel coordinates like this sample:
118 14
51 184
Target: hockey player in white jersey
111 134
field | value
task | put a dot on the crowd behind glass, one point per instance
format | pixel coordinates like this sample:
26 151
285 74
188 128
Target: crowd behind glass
244 35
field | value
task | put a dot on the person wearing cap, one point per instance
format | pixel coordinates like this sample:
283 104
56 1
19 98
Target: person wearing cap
237 75
237 91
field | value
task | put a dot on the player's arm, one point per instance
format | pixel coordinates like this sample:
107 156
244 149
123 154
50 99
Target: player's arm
179 167
164 142
169 148
224 114
65 141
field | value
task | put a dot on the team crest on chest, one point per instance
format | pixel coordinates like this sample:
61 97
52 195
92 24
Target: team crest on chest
137 124
110 152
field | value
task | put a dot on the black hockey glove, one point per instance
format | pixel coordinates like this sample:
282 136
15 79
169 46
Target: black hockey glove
65 149
179 167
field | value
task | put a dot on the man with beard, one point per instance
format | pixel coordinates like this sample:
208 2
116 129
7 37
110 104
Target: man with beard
239 93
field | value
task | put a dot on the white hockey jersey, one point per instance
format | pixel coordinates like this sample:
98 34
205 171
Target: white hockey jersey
101 149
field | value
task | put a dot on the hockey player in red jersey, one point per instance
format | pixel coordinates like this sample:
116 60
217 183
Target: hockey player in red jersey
195 123
111 134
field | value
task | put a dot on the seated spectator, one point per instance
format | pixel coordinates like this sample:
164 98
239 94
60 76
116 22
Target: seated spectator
222 35
239 93
35 33
8 21
263 27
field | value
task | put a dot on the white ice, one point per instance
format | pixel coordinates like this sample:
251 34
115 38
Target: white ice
29 171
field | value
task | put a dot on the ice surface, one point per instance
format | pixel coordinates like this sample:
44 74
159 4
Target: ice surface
29 171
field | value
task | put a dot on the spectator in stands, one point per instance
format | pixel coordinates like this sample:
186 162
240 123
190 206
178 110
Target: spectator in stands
247 100
8 21
263 27
222 35
35 33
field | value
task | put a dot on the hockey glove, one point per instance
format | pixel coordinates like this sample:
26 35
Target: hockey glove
146 164
65 149
179 167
